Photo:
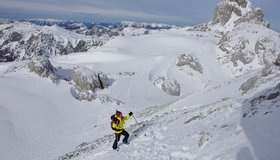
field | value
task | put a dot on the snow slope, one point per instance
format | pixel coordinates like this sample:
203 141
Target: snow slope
209 124
211 119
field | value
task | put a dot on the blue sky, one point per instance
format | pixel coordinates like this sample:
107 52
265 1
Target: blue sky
179 12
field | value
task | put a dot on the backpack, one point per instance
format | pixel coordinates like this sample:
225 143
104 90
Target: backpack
115 120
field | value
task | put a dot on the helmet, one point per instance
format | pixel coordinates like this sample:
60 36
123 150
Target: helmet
118 113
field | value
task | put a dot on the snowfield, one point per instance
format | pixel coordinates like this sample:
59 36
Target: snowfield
41 120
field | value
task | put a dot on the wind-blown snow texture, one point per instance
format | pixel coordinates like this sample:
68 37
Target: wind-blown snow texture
198 94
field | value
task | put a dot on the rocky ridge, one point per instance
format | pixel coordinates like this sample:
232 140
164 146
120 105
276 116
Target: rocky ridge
247 42
29 39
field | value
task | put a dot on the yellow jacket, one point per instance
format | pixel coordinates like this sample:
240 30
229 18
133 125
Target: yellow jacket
118 124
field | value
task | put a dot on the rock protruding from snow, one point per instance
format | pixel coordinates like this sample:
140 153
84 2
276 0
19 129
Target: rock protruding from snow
103 79
168 86
249 85
85 79
86 82
41 66
189 61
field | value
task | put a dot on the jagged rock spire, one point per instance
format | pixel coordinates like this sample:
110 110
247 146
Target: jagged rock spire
230 13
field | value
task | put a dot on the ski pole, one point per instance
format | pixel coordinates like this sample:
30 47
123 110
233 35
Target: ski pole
135 119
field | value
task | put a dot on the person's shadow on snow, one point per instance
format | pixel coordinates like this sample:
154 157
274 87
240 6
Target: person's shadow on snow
244 154
260 122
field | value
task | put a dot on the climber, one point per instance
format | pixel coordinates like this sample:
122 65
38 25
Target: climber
117 125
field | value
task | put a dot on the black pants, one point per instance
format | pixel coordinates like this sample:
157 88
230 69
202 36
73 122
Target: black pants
118 136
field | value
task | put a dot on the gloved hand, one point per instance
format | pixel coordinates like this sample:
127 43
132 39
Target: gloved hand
130 113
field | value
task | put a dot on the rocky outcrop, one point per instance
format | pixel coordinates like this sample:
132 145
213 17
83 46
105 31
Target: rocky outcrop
245 53
223 13
231 13
85 79
61 50
39 45
43 68
6 55
189 61
268 50
10 47
168 86
103 80
246 41
86 82
249 84
13 37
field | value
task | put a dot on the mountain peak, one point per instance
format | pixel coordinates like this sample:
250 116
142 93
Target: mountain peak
231 13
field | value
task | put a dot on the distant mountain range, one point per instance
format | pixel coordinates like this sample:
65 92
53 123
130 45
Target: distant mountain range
27 39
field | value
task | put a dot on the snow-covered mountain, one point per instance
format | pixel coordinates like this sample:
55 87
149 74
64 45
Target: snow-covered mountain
28 39
206 92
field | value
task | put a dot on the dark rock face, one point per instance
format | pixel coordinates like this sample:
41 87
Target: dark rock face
61 50
6 55
13 37
39 45
277 62
6 51
103 80
81 46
